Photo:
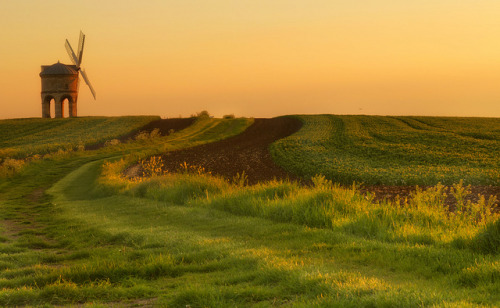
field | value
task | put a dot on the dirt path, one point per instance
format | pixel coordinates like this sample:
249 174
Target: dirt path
248 152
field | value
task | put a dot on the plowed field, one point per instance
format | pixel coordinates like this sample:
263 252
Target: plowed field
248 152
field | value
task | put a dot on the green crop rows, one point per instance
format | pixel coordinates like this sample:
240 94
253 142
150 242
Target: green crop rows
394 150
23 137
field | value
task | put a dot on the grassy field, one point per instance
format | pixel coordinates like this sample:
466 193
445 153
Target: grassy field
23 137
28 140
394 150
74 231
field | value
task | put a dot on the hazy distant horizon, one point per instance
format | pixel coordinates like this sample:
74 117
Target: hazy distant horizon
250 116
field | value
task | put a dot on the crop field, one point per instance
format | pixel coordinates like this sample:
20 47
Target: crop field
22 137
76 230
394 150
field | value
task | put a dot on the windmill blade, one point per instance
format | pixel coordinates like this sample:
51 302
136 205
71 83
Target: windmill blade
81 42
71 54
84 75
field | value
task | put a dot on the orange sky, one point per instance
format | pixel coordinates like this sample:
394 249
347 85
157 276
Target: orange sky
259 58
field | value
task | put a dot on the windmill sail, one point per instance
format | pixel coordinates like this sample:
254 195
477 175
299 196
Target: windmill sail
81 42
77 60
84 75
71 54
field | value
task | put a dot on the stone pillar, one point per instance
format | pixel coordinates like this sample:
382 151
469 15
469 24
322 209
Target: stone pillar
59 108
46 107
72 106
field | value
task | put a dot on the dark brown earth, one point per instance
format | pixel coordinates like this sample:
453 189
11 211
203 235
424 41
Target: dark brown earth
247 152
165 127
400 193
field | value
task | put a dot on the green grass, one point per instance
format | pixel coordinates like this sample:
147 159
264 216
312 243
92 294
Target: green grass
424 219
123 248
36 239
202 131
22 137
74 232
394 150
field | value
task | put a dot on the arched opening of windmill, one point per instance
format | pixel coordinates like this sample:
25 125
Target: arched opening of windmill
49 107
52 107
65 107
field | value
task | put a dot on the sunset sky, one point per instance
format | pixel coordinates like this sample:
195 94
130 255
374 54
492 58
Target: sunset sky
259 58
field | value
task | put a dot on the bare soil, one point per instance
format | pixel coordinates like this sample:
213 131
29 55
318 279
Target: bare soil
247 152
400 193
165 126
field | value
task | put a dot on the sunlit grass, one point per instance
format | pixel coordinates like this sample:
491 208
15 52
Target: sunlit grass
421 239
394 150
97 238
202 131
22 137
423 219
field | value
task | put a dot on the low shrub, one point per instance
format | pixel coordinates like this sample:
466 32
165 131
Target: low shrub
11 166
145 135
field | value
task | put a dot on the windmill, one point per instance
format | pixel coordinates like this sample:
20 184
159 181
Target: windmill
60 82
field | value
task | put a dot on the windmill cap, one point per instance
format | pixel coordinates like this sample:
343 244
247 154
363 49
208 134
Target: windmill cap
59 69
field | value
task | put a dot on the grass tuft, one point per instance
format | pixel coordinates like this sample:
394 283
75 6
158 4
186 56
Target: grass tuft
488 240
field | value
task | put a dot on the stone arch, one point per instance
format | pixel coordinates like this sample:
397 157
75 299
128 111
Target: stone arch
71 104
46 105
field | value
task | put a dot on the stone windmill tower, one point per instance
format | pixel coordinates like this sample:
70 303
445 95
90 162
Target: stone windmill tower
60 82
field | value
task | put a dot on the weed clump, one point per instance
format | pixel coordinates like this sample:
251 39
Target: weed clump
145 135
111 142
186 168
152 166
11 166
240 179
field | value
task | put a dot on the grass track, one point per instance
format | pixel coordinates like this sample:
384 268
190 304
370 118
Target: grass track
203 257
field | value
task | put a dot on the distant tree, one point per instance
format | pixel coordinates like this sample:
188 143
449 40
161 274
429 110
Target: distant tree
203 114
228 116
